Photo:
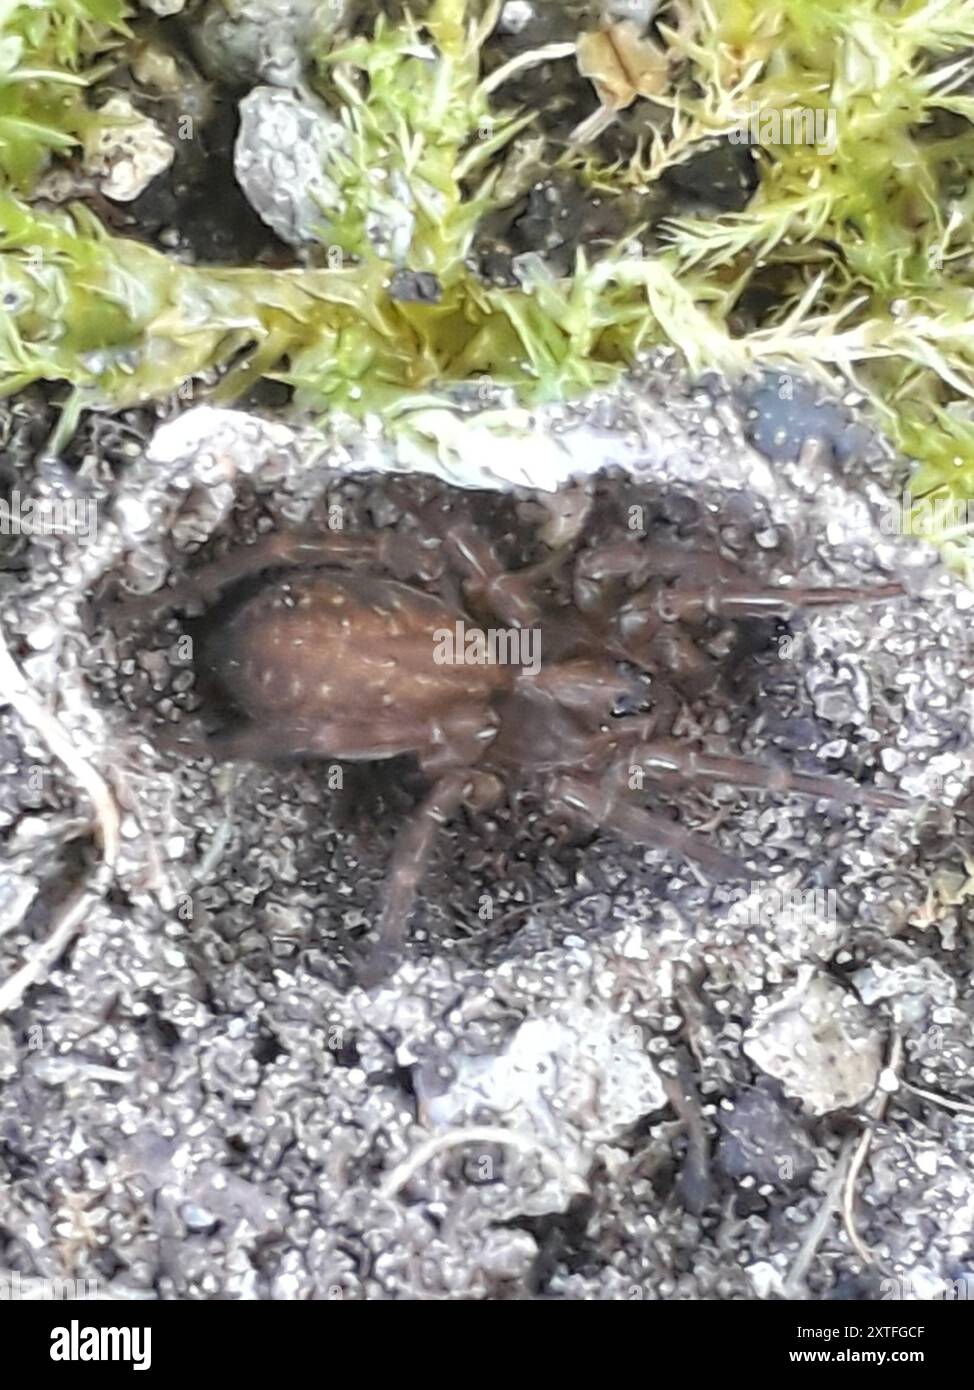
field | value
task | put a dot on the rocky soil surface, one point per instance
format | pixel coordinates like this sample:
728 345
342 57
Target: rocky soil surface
616 1080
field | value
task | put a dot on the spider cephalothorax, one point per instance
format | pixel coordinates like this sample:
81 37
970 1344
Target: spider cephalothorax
417 640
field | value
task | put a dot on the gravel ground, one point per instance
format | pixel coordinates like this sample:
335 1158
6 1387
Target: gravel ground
594 1076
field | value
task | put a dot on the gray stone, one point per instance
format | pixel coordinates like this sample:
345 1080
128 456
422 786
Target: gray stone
243 42
280 157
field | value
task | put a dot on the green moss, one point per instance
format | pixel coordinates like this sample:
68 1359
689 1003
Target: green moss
46 53
863 251
426 125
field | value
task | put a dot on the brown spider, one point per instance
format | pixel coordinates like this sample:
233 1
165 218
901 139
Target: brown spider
326 659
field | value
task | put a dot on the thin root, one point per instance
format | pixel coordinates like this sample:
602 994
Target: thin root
878 1109
15 693
478 1134
840 1193
962 1107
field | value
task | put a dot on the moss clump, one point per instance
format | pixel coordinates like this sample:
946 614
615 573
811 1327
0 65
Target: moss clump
47 54
852 260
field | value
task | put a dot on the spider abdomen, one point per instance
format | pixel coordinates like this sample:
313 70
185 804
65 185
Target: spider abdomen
314 645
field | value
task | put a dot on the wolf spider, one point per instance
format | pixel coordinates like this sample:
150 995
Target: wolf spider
331 655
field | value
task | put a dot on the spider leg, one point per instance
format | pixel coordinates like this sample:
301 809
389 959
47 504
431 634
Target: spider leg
611 808
636 562
742 599
410 859
339 738
508 594
667 761
701 583
649 632
402 555
690 670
